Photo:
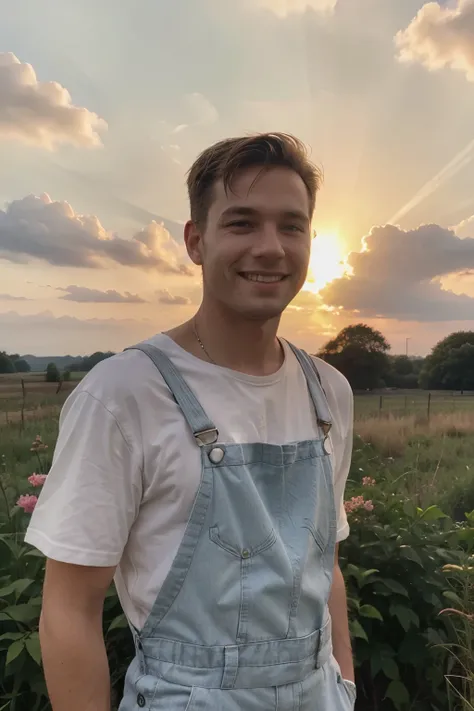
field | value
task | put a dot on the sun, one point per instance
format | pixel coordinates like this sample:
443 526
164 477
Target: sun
326 262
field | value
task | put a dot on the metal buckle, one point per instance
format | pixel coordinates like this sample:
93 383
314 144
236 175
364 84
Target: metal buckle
201 438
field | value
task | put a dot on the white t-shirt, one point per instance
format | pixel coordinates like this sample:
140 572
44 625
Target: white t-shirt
126 467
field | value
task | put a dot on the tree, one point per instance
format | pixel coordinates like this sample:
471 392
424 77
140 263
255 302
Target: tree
360 353
450 366
52 373
22 366
6 363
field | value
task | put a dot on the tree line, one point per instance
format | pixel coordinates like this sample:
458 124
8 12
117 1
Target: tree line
362 354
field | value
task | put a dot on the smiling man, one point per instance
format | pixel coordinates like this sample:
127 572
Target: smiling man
204 470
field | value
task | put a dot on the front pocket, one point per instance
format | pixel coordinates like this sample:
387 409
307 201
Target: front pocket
244 551
321 537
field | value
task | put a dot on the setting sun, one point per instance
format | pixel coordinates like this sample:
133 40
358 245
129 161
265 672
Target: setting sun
326 262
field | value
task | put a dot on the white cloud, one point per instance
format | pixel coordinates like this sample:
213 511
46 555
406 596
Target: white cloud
440 36
39 228
465 228
202 112
165 297
397 275
84 295
42 113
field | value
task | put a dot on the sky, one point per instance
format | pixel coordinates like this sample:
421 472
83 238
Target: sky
104 107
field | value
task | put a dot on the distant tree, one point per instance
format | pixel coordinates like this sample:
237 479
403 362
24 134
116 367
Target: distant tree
450 366
360 353
88 362
401 373
52 373
6 363
22 366
66 376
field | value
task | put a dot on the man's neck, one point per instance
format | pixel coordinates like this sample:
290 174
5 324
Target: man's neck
230 341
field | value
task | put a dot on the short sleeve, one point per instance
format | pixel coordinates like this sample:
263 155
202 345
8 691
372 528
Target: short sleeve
92 493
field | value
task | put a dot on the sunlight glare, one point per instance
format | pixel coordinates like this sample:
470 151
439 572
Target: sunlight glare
326 262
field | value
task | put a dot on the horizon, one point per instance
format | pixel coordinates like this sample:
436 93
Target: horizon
97 141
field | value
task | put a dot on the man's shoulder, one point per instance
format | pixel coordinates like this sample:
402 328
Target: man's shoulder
120 378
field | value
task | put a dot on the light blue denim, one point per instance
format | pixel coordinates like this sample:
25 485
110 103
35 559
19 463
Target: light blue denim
241 622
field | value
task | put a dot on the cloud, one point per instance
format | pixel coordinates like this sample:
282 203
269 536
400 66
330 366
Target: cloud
83 295
165 297
282 8
440 36
202 111
40 228
43 333
397 275
465 228
41 113
10 297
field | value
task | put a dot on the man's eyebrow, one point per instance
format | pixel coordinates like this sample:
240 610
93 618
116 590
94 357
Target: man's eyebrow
242 211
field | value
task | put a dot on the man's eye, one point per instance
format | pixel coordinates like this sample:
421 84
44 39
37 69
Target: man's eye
244 224
293 228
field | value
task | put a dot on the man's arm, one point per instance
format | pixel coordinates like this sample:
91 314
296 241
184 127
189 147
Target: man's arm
72 644
341 640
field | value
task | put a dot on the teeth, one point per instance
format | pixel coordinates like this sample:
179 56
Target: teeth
269 278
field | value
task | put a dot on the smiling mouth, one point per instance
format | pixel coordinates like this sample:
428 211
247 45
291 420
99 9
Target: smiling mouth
263 278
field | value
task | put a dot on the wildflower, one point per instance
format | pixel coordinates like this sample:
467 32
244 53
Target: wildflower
27 502
356 503
37 479
38 445
368 481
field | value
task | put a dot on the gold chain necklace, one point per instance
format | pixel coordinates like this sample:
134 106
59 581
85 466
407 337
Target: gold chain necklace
201 343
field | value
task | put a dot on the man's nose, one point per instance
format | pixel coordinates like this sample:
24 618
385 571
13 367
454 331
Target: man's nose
268 243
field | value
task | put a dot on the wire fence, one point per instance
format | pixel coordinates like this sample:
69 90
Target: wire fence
416 402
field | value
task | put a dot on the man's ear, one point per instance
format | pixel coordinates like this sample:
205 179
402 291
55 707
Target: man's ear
193 242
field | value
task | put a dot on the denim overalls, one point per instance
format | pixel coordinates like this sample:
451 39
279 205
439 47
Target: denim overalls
241 622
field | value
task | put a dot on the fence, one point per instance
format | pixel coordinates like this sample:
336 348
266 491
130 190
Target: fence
415 402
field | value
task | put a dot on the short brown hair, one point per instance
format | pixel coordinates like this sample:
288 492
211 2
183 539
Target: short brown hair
223 160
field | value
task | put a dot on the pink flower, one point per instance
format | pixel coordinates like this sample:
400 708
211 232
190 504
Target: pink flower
27 502
37 479
368 481
356 503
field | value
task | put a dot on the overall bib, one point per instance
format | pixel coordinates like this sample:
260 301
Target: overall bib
241 622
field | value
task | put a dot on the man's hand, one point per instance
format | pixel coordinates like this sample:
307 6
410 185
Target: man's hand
341 640
72 644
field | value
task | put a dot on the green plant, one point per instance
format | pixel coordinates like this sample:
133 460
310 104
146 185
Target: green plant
393 563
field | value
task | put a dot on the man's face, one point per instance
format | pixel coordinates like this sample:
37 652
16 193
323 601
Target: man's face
256 245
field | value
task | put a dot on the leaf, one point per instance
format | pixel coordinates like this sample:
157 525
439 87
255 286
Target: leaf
14 650
117 623
370 611
20 613
405 616
398 693
410 554
33 647
409 509
17 587
12 635
453 597
432 513
390 669
394 586
357 630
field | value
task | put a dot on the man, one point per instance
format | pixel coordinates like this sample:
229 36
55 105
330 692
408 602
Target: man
205 471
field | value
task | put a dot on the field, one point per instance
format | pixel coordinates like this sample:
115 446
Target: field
408 563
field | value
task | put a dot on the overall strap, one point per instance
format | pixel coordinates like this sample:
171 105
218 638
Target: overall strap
202 428
315 387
